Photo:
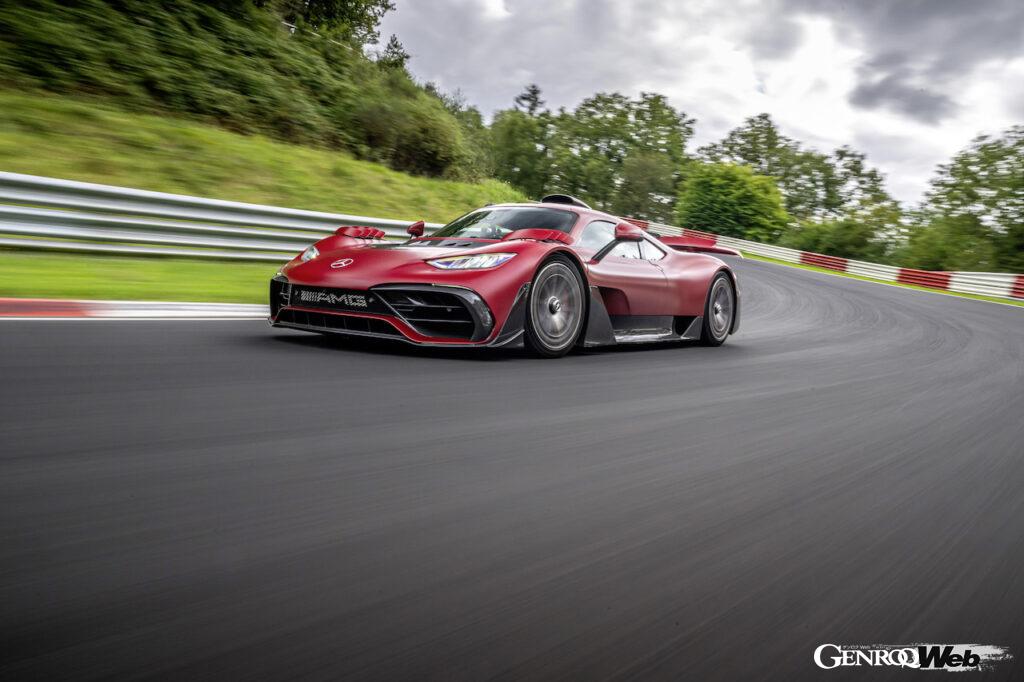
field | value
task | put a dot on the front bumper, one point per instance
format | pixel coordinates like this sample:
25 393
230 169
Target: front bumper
422 314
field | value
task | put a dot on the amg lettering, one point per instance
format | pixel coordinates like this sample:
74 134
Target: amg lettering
351 300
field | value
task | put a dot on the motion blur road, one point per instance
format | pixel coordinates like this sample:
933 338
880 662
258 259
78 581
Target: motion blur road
222 500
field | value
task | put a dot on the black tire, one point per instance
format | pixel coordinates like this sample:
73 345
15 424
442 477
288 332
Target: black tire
556 308
719 311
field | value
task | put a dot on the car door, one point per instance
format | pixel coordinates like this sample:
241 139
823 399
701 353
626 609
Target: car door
630 284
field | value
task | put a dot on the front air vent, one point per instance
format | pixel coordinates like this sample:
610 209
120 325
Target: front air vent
279 293
337 323
432 313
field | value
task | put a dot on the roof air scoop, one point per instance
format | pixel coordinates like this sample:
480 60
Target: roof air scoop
563 199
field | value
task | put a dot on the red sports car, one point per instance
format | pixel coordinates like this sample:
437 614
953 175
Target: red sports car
552 275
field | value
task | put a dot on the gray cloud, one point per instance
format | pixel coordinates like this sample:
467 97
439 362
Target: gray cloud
774 39
917 48
718 61
895 89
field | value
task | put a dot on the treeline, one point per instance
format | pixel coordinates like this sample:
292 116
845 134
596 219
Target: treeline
301 70
236 63
627 156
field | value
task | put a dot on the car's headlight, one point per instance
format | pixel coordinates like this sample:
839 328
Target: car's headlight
474 262
309 254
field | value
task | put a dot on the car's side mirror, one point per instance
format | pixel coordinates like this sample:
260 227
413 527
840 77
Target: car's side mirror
416 229
628 232
624 232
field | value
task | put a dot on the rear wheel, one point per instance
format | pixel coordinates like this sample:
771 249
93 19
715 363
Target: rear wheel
556 309
718 311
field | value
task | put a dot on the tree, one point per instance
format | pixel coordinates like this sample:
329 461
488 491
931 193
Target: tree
355 19
591 144
477 161
646 187
815 186
731 200
520 154
529 100
657 128
394 55
973 217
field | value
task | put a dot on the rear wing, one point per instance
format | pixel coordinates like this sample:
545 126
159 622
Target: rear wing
697 245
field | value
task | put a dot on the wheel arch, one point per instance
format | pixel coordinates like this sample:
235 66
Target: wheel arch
574 259
731 274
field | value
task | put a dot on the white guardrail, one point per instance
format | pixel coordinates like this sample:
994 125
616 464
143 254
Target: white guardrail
65 215
46 213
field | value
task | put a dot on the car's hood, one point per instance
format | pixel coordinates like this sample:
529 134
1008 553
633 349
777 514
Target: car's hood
360 266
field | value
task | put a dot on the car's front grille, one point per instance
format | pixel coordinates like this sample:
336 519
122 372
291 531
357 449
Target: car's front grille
432 313
337 323
348 300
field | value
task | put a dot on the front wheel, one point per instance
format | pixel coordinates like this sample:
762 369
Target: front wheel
556 309
718 311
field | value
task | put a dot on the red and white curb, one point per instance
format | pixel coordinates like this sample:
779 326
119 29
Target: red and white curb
997 285
53 309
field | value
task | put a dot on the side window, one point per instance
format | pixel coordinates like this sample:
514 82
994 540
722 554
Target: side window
626 250
650 251
597 234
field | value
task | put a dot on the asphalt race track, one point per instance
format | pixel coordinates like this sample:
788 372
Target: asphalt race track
221 500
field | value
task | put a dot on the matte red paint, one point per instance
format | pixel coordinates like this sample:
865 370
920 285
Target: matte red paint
675 285
626 231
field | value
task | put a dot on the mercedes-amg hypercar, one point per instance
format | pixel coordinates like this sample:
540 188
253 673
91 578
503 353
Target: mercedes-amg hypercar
553 276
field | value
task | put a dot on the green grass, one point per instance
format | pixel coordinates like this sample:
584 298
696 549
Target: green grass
813 268
77 140
25 274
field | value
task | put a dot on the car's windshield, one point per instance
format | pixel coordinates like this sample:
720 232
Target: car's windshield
495 223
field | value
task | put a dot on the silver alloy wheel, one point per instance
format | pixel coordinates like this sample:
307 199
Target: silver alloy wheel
720 308
556 307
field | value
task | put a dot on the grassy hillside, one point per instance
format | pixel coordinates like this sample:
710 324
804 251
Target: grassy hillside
233 64
45 135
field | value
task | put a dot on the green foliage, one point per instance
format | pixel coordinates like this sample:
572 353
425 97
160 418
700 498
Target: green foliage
974 215
63 138
846 237
235 64
394 55
815 186
731 200
839 202
529 100
354 19
589 146
646 189
520 151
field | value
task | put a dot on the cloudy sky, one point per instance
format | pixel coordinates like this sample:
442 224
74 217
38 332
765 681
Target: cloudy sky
908 82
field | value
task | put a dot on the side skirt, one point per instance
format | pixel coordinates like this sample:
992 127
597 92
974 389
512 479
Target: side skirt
691 333
602 330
